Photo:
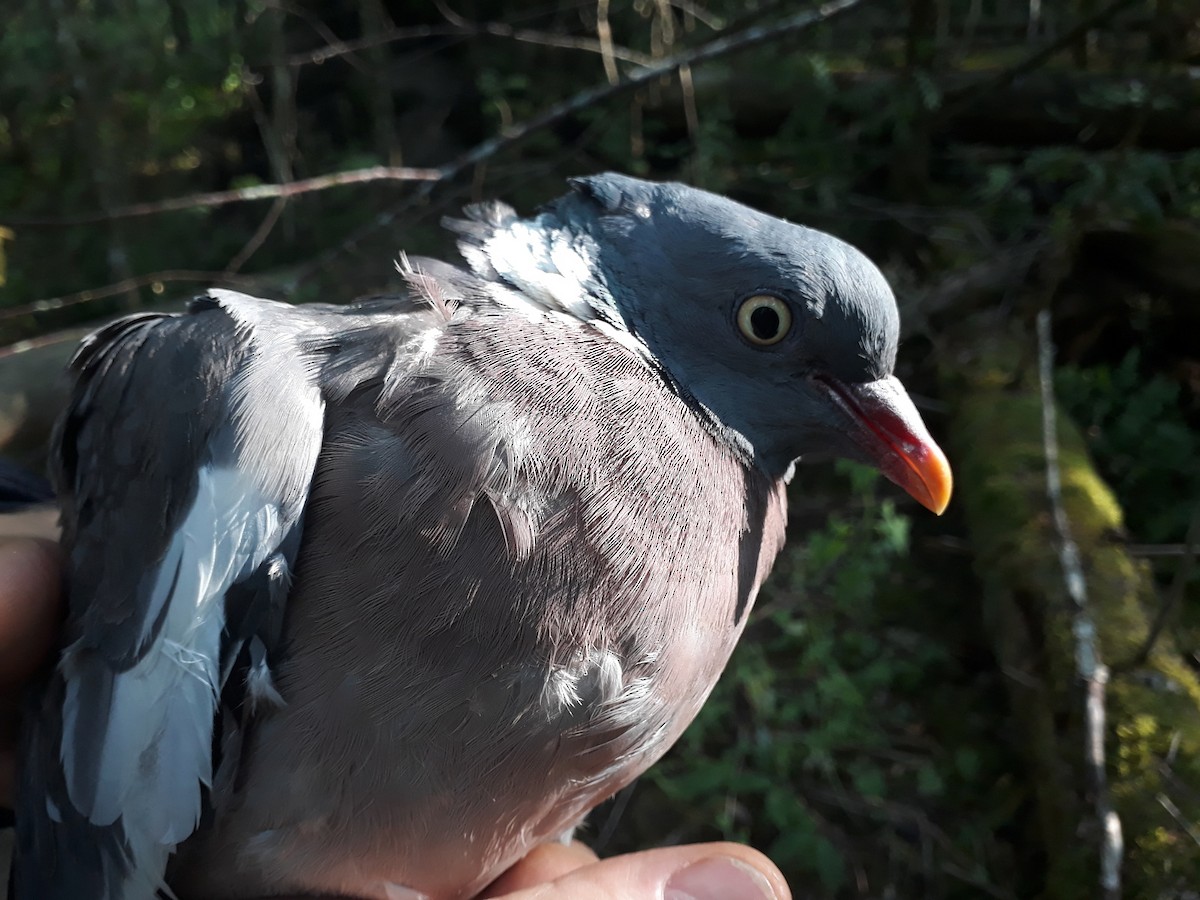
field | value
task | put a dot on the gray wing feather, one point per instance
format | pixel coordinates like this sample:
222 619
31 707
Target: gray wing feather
184 462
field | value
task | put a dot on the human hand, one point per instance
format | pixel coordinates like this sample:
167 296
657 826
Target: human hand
692 872
30 591
719 871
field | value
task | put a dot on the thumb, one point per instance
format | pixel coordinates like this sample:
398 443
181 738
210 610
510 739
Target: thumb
29 606
693 872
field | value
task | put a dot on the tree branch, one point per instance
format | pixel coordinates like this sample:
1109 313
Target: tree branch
719 47
1191 544
714 49
1037 58
259 237
698 13
977 285
120 287
239 195
1088 664
465 29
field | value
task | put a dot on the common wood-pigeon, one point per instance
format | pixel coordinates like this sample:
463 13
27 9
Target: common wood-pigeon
369 600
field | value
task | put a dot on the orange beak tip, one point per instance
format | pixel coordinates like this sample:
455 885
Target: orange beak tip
890 434
936 479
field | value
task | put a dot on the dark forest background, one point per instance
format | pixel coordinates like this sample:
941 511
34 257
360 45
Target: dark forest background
907 715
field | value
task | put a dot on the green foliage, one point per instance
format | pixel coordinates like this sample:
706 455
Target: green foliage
1070 183
100 105
859 734
1141 440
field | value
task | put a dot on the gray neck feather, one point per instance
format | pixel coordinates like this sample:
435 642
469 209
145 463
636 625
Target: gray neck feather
552 265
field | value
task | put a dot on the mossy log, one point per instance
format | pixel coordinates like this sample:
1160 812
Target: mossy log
1153 734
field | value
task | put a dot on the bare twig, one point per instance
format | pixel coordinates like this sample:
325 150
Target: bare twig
1150 551
347 49
120 287
1180 819
995 275
714 49
909 817
35 343
320 28
956 100
1178 589
1038 58
691 112
465 29
701 15
239 195
260 235
92 131
604 34
561 41
616 812
1088 664
662 32
725 45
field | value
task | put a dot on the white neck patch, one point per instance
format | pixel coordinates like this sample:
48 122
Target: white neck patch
542 263
544 269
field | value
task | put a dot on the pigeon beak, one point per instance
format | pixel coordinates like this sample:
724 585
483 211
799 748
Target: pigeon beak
890 434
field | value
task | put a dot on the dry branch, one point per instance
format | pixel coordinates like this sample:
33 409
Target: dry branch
169 276
715 49
1178 588
963 291
722 46
238 195
463 29
1045 108
989 379
1089 665
1038 57
718 48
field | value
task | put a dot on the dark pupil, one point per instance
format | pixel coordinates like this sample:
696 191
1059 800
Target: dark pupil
764 322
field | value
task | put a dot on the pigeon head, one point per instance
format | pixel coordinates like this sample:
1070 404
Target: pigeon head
784 336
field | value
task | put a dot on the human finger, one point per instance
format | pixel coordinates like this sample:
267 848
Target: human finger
545 862
694 872
30 589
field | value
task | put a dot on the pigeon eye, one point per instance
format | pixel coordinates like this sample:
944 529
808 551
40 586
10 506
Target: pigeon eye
764 320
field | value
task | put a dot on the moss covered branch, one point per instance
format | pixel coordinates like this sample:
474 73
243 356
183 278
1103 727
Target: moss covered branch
1153 734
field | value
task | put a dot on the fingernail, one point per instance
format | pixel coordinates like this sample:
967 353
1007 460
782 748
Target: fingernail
719 879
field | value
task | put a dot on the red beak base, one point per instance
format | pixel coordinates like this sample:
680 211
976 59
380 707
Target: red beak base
893 437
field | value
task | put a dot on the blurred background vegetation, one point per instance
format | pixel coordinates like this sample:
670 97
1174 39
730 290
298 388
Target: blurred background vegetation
905 716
